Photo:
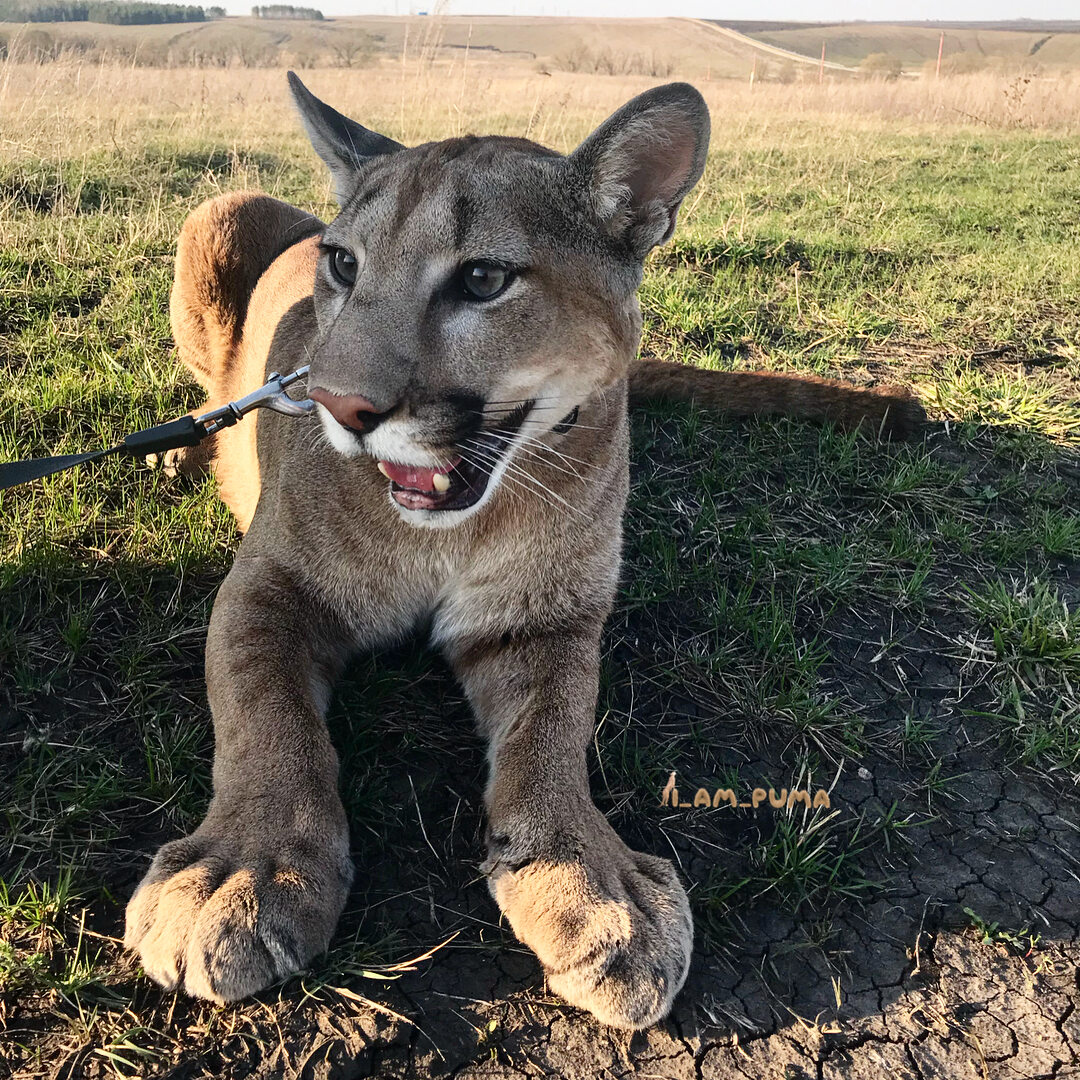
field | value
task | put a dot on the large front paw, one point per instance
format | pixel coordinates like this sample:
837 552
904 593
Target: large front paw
612 928
225 916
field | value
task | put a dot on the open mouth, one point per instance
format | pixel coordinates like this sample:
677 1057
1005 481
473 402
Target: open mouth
462 481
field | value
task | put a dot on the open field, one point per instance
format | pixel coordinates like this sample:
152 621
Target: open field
1052 48
655 47
800 607
613 46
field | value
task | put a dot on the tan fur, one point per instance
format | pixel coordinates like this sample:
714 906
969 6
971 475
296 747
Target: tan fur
517 595
224 250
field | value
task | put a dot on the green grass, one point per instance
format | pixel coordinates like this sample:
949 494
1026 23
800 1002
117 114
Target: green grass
1034 654
933 254
1022 941
778 574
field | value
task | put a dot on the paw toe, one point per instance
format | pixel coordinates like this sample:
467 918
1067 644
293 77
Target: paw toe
623 993
633 984
226 957
159 916
616 942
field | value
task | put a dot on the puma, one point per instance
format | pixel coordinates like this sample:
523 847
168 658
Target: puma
471 322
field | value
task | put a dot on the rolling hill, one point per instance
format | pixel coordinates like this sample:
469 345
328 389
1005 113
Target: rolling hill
611 46
1018 44
685 48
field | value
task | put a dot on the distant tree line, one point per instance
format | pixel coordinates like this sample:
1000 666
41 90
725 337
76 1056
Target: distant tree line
121 12
285 11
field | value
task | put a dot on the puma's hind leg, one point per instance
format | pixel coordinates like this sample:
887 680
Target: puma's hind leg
186 460
225 246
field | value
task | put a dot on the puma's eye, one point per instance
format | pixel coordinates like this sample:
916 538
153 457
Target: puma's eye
343 265
484 280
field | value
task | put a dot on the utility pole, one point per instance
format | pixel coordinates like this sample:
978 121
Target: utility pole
821 69
940 48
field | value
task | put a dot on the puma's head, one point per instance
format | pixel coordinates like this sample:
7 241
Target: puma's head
473 293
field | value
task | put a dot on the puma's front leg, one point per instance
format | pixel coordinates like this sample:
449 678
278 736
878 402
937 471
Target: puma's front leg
256 891
611 926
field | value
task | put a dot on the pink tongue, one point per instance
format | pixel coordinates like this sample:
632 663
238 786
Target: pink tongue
412 476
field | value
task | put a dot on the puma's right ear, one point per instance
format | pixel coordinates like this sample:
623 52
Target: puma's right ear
342 143
642 160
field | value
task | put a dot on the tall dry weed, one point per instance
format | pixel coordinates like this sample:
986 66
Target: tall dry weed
75 106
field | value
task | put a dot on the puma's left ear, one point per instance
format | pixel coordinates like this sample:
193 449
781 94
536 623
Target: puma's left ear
641 162
342 143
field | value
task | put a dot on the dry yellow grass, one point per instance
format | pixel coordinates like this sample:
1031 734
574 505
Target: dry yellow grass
75 107
697 49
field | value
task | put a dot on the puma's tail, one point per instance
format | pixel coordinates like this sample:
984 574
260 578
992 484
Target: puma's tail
892 409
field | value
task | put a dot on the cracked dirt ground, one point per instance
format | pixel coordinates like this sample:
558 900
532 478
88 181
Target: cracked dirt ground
947 949
925 926
902 986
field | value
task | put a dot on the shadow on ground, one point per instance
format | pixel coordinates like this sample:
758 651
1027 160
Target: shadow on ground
776 630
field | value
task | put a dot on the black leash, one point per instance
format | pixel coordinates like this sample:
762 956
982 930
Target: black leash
187 431
22 472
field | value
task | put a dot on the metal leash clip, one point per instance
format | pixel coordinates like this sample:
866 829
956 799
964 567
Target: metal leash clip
269 396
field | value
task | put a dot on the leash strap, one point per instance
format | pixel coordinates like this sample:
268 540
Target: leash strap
22 472
154 440
187 431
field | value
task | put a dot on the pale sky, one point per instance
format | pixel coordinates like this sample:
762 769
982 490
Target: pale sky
793 10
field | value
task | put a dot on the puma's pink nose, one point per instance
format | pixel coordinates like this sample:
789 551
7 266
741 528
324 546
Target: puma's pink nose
349 410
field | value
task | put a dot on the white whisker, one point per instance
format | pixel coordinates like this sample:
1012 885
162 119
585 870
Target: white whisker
487 472
545 446
578 426
568 469
525 448
524 474
511 471
559 453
